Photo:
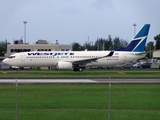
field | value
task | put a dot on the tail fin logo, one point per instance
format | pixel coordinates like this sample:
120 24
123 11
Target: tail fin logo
139 41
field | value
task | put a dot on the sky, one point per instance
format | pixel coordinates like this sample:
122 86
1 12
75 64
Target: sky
79 21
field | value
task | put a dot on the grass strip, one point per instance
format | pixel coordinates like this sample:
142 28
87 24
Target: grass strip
70 102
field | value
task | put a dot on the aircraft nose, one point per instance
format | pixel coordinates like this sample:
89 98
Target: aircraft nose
5 61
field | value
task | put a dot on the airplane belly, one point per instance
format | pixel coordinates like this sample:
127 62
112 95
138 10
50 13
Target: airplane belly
107 62
39 62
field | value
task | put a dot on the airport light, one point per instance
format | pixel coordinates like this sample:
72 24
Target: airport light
134 25
24 31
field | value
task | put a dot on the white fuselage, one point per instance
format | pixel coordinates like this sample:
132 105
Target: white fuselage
51 58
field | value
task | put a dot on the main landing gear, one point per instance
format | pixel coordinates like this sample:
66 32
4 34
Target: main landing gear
77 68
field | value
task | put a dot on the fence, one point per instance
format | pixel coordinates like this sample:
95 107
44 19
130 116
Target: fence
79 101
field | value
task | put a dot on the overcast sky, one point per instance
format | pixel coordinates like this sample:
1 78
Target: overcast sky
71 21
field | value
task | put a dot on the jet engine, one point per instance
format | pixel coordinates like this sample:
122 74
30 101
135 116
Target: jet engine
64 65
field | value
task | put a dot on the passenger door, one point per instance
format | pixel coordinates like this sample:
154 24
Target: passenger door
22 57
124 56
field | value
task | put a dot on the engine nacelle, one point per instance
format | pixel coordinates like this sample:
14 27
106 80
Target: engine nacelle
64 65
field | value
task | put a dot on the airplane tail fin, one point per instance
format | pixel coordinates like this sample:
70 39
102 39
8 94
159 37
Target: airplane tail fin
139 41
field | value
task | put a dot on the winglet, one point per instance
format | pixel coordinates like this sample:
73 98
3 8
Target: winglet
110 54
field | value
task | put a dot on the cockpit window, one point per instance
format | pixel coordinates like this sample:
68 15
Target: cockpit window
11 57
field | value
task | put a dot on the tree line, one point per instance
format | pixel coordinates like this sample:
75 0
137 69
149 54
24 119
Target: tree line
3 47
100 44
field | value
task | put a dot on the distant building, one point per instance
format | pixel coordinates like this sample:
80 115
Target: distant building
41 45
156 54
18 41
42 42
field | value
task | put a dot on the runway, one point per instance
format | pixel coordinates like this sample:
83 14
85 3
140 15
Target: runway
80 81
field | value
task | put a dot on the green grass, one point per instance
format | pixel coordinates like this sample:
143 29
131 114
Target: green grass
80 102
141 73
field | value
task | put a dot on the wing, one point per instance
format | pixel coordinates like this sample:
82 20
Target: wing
89 60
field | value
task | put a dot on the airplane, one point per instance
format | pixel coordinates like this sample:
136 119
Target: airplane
75 59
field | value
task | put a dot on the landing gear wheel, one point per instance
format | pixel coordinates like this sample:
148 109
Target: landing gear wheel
80 69
75 69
